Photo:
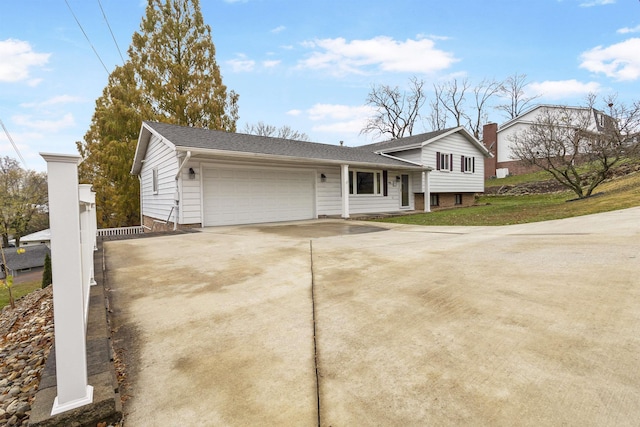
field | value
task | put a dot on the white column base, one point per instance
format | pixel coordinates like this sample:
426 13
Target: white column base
87 399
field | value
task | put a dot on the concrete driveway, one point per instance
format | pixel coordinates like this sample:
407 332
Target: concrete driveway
534 324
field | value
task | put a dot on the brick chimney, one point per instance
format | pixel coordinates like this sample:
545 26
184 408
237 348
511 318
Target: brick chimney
490 141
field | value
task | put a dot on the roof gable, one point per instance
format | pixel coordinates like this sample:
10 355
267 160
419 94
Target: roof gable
419 141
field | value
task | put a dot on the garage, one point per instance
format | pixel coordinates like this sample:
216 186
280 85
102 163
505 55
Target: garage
236 195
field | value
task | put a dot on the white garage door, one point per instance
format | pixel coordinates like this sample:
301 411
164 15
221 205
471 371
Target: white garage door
248 196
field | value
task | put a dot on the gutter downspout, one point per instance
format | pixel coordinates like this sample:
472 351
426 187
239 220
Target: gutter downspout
177 196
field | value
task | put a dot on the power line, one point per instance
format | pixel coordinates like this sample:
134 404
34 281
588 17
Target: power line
109 26
15 147
87 37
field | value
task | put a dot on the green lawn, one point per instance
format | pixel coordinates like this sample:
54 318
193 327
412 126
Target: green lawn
620 193
18 290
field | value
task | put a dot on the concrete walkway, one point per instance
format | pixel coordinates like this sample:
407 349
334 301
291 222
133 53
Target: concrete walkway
534 324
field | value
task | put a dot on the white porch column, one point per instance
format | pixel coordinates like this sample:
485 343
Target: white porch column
66 266
87 237
344 181
427 191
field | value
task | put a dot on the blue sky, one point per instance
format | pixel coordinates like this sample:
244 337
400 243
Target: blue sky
310 64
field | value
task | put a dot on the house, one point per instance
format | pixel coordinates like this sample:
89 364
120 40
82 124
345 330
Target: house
455 156
193 177
42 237
22 260
499 139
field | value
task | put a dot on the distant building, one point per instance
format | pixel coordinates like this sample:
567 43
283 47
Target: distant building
500 139
22 260
42 237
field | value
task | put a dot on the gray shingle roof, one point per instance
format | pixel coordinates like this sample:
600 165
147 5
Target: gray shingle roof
32 257
406 141
198 138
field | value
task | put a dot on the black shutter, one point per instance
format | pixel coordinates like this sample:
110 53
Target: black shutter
461 163
385 189
438 160
451 162
473 164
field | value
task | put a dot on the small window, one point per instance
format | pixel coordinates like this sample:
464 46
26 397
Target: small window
435 200
467 164
458 199
444 161
363 182
154 182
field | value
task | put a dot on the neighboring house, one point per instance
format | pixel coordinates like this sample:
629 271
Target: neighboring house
193 177
42 237
499 139
32 259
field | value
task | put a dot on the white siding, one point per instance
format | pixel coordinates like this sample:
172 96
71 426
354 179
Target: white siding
580 116
160 156
414 155
190 194
454 181
505 141
329 199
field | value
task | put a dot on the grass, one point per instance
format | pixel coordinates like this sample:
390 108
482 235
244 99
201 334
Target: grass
616 194
19 290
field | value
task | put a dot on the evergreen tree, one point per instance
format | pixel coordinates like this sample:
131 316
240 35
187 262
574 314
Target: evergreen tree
47 278
171 76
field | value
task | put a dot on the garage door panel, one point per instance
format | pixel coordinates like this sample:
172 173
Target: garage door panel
245 196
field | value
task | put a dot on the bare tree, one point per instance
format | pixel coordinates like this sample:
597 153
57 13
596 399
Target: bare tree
396 111
513 89
482 94
451 97
284 132
580 146
437 118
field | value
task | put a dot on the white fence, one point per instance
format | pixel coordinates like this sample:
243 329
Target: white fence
72 218
120 231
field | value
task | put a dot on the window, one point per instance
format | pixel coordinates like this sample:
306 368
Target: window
435 200
154 182
444 161
363 182
458 199
467 164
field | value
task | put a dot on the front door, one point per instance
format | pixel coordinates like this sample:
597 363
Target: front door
404 191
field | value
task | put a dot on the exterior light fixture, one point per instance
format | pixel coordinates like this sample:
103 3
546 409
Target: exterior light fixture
192 173
323 177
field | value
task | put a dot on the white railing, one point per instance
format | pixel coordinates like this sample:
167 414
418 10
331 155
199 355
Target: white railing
72 219
120 231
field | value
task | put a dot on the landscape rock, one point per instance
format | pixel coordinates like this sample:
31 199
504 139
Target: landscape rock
26 337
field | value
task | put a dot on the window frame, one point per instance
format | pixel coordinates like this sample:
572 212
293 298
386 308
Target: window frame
378 185
458 199
444 162
154 180
467 164
434 199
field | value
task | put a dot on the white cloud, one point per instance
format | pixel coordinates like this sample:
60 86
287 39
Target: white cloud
17 60
627 30
56 100
278 29
597 3
51 126
270 64
294 112
241 63
619 61
338 111
337 118
560 89
340 56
